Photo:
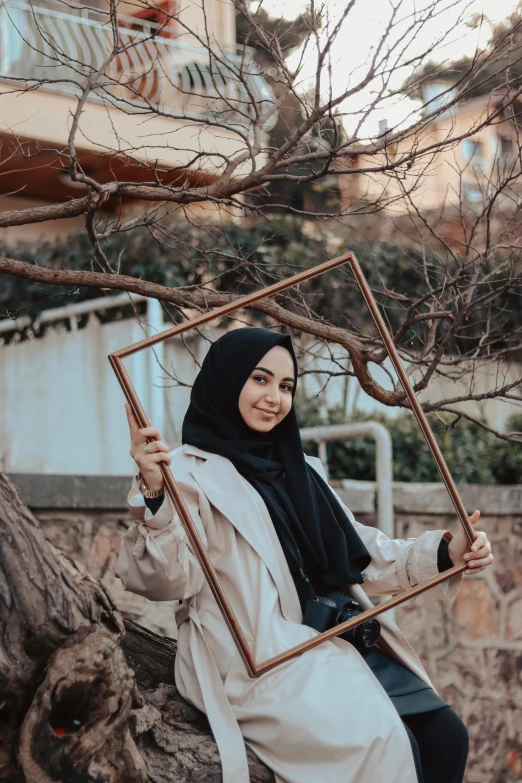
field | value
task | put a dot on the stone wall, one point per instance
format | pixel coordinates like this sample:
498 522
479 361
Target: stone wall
472 648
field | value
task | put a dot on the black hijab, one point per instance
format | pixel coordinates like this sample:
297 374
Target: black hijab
305 513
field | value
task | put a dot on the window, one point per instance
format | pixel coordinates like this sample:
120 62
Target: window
436 95
471 193
472 150
506 149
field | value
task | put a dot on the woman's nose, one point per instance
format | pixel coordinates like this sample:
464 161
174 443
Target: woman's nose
272 396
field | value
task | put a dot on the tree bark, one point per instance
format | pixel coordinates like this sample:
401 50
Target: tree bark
84 696
173 737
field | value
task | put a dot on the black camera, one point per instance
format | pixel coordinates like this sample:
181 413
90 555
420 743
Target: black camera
323 613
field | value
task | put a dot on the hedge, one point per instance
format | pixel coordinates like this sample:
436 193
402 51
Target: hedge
473 455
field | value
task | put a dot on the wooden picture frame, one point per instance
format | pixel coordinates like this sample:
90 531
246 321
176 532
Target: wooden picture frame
256 668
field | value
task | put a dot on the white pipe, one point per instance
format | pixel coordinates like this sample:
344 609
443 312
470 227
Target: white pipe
383 460
383 466
323 456
156 357
70 311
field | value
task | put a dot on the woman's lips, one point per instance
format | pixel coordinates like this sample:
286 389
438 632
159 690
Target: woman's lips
267 413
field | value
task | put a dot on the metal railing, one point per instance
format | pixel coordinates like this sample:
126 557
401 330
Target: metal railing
63 45
383 461
70 312
383 468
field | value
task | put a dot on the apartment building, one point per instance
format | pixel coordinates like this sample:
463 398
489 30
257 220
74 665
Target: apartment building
163 106
458 169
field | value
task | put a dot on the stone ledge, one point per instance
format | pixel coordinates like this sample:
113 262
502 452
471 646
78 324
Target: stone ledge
40 491
359 496
432 498
501 500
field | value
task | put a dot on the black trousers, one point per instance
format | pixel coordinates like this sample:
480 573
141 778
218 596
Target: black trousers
440 742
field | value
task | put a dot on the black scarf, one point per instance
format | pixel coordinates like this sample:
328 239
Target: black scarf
305 513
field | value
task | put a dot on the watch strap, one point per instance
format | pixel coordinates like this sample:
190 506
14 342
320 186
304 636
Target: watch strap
149 493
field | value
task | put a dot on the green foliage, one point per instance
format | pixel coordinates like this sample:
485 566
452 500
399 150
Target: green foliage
240 257
287 34
473 455
501 56
506 457
137 255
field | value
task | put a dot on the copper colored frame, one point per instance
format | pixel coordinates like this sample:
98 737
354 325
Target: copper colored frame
254 668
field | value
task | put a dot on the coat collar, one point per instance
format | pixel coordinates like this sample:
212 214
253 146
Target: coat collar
238 501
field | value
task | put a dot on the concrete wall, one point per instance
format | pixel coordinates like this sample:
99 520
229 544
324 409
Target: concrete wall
472 648
63 409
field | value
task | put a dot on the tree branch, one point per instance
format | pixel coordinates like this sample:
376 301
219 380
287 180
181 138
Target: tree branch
204 299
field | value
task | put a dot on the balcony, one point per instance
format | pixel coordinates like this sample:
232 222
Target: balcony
58 48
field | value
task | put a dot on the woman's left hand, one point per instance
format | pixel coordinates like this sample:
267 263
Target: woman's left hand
480 555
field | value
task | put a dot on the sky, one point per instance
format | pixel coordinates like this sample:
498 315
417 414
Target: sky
447 32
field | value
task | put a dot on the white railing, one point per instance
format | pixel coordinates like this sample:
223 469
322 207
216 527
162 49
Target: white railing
70 312
383 460
62 45
383 468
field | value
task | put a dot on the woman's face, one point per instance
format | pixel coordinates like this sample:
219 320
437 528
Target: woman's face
266 397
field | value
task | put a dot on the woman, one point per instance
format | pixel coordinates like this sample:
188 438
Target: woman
276 534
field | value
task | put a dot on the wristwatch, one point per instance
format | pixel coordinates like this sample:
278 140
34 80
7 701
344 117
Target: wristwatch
149 493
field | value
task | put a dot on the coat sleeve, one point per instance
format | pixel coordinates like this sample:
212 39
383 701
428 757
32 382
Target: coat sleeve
397 563
154 558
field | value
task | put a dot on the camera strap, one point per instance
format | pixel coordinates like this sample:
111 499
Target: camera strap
298 559
309 585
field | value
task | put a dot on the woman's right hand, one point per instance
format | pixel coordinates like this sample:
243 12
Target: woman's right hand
147 462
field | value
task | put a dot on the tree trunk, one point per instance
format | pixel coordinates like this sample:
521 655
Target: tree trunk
85 697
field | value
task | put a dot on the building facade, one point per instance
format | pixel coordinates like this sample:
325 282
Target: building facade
461 158
167 93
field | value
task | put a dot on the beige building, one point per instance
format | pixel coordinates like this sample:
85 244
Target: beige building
448 186
461 173
146 118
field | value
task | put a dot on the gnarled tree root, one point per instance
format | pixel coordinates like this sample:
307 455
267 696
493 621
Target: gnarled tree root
77 728
83 698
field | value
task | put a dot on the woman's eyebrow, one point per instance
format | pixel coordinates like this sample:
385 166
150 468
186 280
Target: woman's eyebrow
269 372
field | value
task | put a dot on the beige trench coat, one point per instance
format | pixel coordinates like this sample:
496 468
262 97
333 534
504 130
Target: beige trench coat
320 717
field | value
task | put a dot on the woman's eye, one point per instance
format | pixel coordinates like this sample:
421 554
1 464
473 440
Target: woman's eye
262 379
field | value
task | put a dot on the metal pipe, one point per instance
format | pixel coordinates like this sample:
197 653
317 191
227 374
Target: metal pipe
383 461
321 448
